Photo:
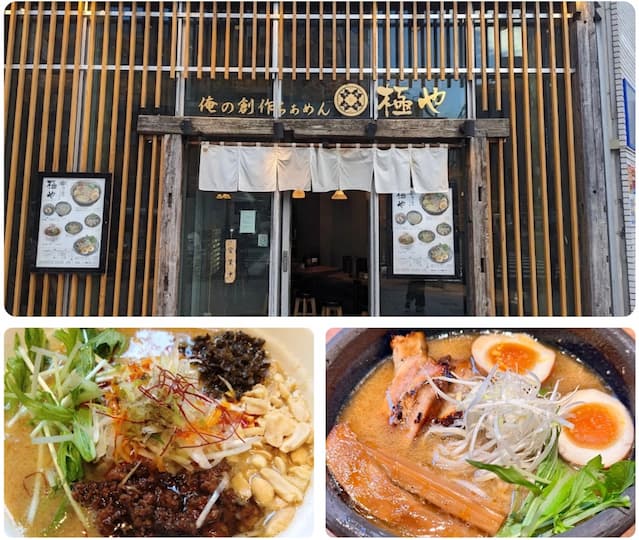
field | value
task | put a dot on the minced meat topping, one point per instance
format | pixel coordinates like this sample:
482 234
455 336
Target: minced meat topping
152 503
233 356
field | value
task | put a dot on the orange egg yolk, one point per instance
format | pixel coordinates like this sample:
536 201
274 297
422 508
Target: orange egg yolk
595 426
513 356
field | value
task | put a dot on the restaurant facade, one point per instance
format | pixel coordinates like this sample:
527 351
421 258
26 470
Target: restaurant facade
287 158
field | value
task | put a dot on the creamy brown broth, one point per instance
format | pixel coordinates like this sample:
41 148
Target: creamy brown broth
366 412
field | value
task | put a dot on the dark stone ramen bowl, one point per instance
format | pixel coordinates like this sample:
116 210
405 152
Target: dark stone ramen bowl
352 353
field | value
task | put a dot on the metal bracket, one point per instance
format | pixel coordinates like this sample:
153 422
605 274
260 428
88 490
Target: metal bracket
278 131
467 129
371 129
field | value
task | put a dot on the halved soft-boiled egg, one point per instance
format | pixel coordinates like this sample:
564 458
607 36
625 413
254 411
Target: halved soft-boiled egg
519 353
601 425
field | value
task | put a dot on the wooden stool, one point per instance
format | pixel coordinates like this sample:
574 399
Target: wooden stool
305 305
332 308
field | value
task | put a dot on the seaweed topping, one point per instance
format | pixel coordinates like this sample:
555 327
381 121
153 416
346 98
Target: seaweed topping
232 359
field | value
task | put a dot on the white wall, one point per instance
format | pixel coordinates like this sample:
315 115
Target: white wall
622 26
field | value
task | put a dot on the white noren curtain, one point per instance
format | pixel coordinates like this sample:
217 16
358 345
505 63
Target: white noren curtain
219 167
294 164
429 169
392 170
268 168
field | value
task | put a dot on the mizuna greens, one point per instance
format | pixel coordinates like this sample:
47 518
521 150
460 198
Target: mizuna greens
53 386
560 497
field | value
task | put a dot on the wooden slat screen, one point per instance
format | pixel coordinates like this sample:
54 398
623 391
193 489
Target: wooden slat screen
119 58
84 121
535 219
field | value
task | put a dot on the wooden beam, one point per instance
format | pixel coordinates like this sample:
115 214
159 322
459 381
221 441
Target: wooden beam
170 231
591 174
228 128
480 246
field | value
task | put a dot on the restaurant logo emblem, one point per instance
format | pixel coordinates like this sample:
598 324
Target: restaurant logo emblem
351 99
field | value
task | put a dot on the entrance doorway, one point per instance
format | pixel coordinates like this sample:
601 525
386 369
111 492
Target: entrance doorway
322 255
209 220
330 254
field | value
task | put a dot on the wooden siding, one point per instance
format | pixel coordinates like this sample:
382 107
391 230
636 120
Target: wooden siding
78 75
82 118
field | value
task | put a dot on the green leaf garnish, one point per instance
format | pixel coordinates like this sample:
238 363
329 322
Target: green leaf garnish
562 497
507 474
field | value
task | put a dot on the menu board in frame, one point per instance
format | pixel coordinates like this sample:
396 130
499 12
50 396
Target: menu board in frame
424 234
69 216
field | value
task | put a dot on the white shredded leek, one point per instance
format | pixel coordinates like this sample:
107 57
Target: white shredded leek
212 500
217 456
101 364
37 487
21 412
65 485
25 357
50 476
37 367
505 422
55 439
470 486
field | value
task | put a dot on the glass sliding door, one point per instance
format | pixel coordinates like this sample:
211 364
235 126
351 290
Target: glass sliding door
208 286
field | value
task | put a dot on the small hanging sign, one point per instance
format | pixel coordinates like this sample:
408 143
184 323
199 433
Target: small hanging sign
230 260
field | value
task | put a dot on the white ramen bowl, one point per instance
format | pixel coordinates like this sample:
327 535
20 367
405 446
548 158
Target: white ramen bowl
293 349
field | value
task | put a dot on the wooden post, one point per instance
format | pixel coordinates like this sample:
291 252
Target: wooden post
480 285
170 233
590 155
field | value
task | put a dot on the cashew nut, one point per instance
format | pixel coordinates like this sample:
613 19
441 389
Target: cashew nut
257 406
280 464
258 391
279 521
258 460
277 426
299 410
300 456
282 486
297 438
241 486
263 492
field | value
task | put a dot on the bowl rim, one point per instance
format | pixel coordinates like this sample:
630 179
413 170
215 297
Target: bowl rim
610 522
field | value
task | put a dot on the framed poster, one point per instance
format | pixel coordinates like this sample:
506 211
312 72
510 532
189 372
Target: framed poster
423 234
69 216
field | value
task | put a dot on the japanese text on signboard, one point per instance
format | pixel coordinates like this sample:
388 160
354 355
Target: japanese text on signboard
264 106
350 99
394 102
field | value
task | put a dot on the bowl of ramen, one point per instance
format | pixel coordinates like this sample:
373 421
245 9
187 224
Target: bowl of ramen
426 236
414 218
73 227
180 432
48 209
92 220
443 229
87 245
400 218
63 208
471 432
406 239
435 203
85 193
52 231
441 253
